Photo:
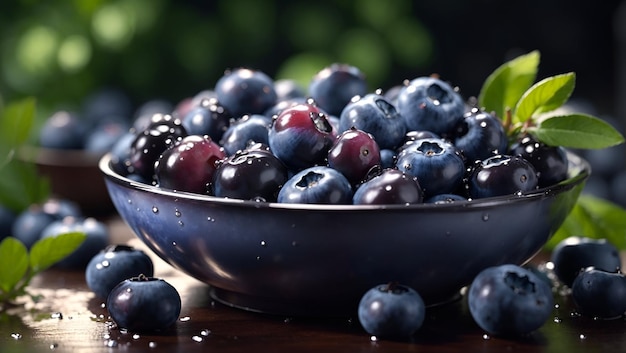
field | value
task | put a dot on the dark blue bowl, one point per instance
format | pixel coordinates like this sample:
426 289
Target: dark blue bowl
320 259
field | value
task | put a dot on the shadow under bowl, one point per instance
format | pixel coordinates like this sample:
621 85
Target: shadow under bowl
318 260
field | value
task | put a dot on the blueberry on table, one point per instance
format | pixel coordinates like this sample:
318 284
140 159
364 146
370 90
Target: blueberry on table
317 185
29 224
115 264
429 103
97 238
573 254
391 311
600 294
144 304
509 300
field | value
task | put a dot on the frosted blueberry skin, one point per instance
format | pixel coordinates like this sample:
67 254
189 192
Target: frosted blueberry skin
429 103
144 304
317 185
115 264
244 91
391 311
509 300
573 254
600 294
334 86
374 114
436 163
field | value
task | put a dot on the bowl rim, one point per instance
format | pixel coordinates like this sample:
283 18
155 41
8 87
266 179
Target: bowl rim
579 170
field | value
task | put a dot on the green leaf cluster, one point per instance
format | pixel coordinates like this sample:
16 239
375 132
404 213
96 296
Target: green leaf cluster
529 107
20 182
18 266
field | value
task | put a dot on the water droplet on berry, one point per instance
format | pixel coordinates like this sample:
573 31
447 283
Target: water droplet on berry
210 219
130 202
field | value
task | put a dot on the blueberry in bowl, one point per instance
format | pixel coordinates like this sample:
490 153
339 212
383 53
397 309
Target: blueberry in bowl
319 259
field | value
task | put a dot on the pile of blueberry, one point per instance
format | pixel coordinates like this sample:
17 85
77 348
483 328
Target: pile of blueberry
254 138
50 218
510 300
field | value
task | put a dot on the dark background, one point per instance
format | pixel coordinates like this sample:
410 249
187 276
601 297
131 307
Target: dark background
174 49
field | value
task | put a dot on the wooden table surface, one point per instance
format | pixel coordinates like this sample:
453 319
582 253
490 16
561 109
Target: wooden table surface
71 319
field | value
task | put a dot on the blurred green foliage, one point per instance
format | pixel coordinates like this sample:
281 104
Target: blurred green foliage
60 51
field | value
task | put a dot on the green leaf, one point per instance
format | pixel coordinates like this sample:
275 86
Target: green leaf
13 263
594 217
544 96
577 131
504 87
21 185
48 251
17 121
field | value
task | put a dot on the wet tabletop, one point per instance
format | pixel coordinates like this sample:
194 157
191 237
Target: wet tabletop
70 319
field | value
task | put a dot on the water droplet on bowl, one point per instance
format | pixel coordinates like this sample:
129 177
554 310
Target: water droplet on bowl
263 243
177 213
155 210
180 223
485 217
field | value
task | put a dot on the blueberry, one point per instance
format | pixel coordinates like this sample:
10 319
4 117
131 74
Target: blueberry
509 300
7 218
244 91
575 253
387 158
284 104
189 165
355 153
97 238
501 175
391 311
105 104
600 294
372 113
60 208
301 136
334 86
151 143
104 135
390 186
480 135
120 152
245 131
250 174
30 223
288 89
208 118
146 112
317 185
445 198
436 163
550 162
429 103
115 264
63 130
144 304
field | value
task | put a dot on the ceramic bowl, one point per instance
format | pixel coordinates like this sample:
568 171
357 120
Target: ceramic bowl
73 175
320 259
